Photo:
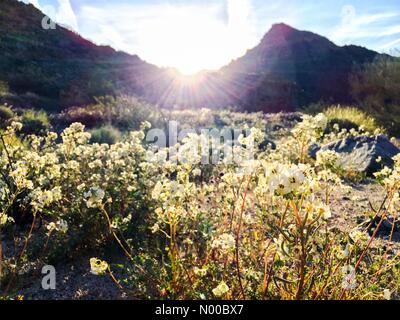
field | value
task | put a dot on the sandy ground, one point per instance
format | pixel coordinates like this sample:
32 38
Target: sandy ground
74 282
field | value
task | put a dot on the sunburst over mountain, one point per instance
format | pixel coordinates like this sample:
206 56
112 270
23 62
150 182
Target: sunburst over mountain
58 68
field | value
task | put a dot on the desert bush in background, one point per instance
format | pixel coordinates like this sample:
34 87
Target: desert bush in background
350 118
207 118
123 112
34 122
89 116
6 114
4 89
346 117
106 134
376 88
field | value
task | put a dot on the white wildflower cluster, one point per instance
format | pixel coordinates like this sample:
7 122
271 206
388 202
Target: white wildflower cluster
15 126
343 133
41 199
60 226
327 158
66 178
20 176
295 147
284 180
201 272
4 219
98 267
390 178
176 198
74 136
168 191
311 128
226 146
221 290
94 197
349 277
225 243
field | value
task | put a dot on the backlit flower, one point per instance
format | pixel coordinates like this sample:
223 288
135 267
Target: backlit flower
221 289
97 266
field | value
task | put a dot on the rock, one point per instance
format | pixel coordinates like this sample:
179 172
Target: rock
361 153
313 149
385 229
396 237
264 145
277 127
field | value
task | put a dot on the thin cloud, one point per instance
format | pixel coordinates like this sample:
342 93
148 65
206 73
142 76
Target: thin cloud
354 26
183 35
389 45
35 3
389 31
62 12
65 14
363 26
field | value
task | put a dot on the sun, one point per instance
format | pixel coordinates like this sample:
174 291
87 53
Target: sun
191 39
190 66
190 42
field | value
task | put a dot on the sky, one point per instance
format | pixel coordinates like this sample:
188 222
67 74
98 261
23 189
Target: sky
192 35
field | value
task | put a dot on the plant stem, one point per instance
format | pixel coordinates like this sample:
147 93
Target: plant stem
1 255
390 197
238 241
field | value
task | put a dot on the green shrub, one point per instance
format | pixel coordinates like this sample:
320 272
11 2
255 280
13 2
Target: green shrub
376 89
314 108
6 114
4 89
34 122
90 116
128 112
124 112
10 140
106 134
350 117
346 117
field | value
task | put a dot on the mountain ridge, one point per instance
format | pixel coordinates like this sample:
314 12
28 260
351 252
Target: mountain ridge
305 64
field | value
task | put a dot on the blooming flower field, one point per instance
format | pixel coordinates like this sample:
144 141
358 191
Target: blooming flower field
257 228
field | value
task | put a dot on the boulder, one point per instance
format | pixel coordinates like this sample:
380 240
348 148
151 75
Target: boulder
361 153
389 227
264 145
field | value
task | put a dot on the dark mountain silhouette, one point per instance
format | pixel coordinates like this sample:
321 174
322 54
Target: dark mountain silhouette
58 68
292 68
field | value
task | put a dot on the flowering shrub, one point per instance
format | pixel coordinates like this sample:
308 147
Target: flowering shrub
258 228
